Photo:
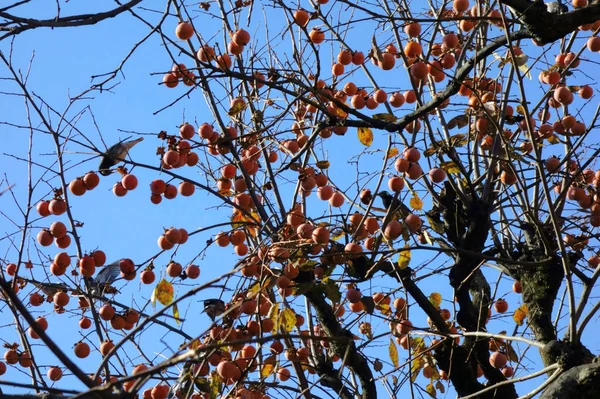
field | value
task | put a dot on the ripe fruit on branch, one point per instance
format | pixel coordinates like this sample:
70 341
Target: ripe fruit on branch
82 350
241 37
498 359
184 31
301 17
316 36
501 306
77 187
129 182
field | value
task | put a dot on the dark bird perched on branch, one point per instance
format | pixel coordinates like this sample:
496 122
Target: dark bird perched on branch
397 205
116 154
214 308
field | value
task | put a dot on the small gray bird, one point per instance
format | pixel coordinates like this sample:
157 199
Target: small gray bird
50 289
116 154
556 7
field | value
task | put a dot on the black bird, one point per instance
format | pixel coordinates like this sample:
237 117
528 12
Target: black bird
116 154
214 308
397 205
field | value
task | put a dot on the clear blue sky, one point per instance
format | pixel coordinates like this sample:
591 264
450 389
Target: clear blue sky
61 62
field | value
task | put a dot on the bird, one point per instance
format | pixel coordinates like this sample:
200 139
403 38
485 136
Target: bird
397 205
105 277
214 308
50 289
99 284
115 154
556 7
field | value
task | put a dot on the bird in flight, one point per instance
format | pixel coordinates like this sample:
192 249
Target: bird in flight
115 154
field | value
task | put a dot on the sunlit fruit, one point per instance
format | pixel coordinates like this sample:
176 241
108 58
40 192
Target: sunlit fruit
82 350
129 182
316 36
147 276
301 17
57 207
413 49
106 312
437 175
396 184
184 31
517 287
11 356
77 187
192 271
85 323
498 359
393 230
42 208
501 305
58 229
174 269
413 222
54 373
336 200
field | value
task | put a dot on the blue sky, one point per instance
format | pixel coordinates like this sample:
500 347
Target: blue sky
62 62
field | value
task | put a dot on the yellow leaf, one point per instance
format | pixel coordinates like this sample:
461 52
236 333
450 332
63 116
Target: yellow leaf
341 113
215 384
415 202
436 299
253 290
268 367
431 390
164 292
450 167
415 368
238 219
365 136
393 352
437 226
520 110
553 139
385 117
520 314
274 315
288 319
391 153
323 164
404 258
238 107
336 233
176 314
384 309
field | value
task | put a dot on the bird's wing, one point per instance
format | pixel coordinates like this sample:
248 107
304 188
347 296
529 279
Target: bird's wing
108 274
